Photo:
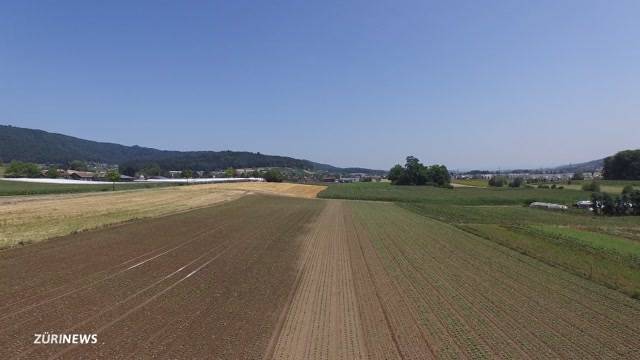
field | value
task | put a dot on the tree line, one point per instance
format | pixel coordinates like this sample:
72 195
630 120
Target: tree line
627 203
624 165
415 173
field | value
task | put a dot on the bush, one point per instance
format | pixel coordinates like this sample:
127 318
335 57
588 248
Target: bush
497 181
625 204
52 172
591 186
541 186
628 189
22 169
553 186
517 182
577 176
273 176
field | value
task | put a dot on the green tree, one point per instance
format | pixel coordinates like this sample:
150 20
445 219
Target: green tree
22 169
273 175
577 176
78 165
396 172
52 172
186 173
255 174
230 172
438 174
517 182
151 170
113 175
129 170
624 165
591 186
498 181
628 189
415 171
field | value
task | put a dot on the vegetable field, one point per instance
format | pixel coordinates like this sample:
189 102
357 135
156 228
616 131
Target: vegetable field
457 196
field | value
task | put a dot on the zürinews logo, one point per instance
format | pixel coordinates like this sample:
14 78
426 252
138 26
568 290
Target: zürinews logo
47 338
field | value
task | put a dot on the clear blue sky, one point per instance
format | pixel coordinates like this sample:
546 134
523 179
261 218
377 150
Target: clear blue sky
471 84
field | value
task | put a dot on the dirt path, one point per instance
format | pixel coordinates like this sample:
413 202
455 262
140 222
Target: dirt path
323 320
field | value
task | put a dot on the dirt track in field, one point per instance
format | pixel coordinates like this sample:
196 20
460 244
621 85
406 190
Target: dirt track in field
286 278
322 320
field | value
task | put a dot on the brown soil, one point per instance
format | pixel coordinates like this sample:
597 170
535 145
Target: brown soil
323 321
210 283
286 278
28 219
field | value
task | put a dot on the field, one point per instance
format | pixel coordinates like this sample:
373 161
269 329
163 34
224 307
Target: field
610 186
457 196
13 188
26 219
291 278
472 182
602 249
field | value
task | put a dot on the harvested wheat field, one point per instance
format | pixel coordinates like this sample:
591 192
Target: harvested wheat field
285 189
25 219
289 278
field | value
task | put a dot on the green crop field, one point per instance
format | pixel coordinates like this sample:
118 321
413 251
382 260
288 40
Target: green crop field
609 186
603 249
9 188
457 196
470 294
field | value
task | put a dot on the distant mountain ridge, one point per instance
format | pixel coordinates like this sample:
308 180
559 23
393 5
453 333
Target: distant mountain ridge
43 147
589 166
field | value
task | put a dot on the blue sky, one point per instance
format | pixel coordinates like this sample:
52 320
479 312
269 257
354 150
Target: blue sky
471 84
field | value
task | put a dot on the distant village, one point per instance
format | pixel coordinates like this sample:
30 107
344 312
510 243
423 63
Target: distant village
92 171
529 176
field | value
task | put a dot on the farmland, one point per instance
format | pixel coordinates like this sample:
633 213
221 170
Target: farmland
472 182
458 196
13 188
26 219
289 278
610 186
601 249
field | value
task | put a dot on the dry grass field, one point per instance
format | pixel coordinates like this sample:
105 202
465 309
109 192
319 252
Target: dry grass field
35 218
286 189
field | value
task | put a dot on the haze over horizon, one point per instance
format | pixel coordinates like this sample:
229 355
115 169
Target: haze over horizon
469 85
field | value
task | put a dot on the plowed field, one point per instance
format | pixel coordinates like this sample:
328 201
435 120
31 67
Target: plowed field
288 278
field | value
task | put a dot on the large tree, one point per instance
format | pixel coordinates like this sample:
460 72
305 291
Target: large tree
624 165
415 173
22 169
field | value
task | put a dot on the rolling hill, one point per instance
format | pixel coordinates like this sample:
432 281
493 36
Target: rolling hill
588 166
50 148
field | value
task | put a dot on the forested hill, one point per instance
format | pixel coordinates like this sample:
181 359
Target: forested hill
49 148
